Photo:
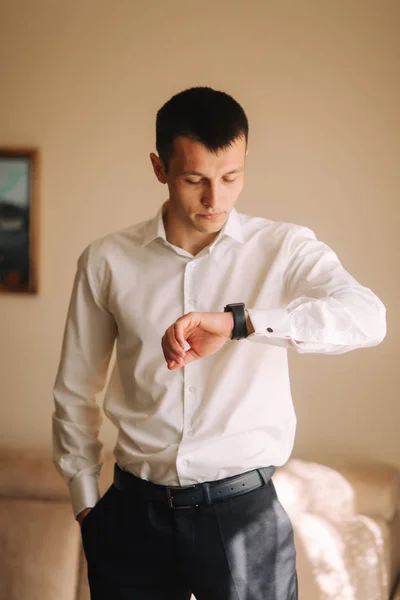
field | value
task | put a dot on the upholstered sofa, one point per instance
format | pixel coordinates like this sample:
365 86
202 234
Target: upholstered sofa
346 520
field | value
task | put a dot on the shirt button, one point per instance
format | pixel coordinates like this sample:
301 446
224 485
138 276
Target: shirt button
189 432
192 264
192 389
184 463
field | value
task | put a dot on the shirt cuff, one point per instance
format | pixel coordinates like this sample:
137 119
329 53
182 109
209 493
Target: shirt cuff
271 327
84 491
274 323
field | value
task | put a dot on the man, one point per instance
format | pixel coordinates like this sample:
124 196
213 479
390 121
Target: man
204 414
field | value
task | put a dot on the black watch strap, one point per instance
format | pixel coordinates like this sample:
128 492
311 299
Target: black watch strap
239 319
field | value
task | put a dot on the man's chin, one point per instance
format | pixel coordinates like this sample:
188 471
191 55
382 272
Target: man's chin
209 227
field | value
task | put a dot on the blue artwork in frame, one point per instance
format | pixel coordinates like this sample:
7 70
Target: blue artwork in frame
18 221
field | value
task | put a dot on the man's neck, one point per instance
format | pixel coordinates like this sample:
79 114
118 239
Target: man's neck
191 246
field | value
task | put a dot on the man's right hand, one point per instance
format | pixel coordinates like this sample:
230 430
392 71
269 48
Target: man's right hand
82 515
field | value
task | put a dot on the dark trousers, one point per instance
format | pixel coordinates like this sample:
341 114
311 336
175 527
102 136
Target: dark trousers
239 549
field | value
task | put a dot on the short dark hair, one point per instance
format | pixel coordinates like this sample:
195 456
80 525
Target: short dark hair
202 114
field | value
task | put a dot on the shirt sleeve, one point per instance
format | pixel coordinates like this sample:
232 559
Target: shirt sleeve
88 341
327 310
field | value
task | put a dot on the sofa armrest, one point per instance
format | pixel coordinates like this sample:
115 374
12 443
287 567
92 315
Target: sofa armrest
376 487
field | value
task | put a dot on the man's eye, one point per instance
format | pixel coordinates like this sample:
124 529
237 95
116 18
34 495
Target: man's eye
199 181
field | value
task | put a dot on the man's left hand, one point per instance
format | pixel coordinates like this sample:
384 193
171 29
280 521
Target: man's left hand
205 332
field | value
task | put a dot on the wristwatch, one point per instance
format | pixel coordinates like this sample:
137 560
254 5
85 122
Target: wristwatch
239 319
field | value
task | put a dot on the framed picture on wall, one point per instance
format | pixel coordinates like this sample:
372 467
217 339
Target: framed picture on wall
18 220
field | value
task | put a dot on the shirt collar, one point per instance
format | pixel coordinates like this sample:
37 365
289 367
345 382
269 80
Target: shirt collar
155 228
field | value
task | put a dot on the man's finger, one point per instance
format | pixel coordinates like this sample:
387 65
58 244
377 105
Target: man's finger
179 339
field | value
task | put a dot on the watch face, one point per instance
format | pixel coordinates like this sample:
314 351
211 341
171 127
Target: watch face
229 306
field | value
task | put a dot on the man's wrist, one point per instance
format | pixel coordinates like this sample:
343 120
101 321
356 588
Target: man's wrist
249 324
231 322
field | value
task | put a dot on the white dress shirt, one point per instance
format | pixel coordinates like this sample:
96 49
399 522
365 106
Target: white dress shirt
218 416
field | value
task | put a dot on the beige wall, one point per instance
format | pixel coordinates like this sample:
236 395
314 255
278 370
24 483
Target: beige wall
82 80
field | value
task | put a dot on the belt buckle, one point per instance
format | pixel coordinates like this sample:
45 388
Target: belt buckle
170 498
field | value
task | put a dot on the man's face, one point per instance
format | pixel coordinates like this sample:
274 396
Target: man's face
202 183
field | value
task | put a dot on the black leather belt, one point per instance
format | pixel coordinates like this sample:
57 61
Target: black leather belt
192 495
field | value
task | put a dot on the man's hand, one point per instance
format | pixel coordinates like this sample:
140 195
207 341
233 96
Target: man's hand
80 517
205 332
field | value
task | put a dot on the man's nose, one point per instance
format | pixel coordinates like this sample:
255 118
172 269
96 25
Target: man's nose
212 196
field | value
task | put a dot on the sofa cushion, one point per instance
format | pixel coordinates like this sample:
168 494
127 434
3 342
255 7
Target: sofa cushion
376 487
39 550
30 475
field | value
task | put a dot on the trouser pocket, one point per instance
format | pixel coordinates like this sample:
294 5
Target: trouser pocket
96 525
259 544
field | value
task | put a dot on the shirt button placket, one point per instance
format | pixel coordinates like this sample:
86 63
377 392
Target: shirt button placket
189 302
188 431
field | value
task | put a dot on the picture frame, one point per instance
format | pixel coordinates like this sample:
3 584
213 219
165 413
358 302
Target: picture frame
19 220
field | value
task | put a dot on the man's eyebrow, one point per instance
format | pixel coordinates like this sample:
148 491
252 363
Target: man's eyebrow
190 172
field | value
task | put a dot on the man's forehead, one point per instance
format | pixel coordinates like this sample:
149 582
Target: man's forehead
193 156
187 145
229 171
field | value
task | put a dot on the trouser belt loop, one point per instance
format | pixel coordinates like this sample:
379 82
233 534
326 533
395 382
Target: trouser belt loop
206 493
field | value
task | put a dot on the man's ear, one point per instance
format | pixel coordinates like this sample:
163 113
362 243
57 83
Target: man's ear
158 167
